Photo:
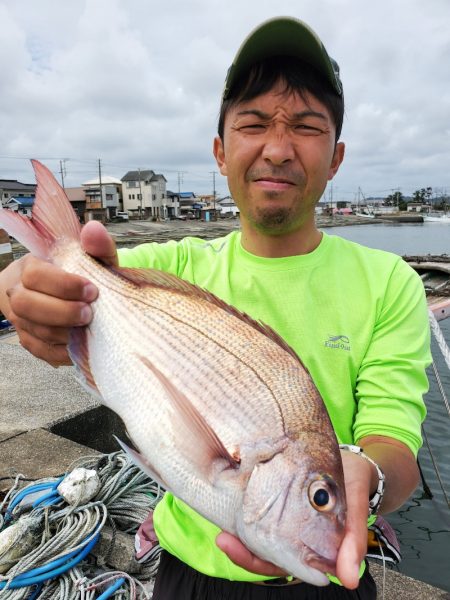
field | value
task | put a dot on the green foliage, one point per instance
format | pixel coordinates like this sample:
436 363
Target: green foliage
395 199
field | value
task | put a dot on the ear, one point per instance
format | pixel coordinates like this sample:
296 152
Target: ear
219 154
338 157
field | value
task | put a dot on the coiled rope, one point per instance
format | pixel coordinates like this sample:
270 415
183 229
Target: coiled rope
60 565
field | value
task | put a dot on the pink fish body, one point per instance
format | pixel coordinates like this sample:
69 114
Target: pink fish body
223 412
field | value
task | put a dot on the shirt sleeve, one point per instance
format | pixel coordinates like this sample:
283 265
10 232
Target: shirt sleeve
166 257
392 378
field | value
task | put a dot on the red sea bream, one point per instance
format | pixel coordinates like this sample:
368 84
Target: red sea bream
223 412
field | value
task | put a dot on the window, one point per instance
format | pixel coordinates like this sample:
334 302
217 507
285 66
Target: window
154 196
132 184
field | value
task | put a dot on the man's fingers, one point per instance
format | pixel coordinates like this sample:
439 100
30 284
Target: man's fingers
55 354
241 556
97 242
34 308
50 335
348 562
354 545
49 279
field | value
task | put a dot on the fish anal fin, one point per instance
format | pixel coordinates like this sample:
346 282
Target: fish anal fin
198 437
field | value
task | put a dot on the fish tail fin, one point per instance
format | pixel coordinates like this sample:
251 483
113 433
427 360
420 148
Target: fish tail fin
52 216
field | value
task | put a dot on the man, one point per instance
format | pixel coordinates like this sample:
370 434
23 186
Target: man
357 317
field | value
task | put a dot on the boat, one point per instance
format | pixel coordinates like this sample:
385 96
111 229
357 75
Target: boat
437 218
435 274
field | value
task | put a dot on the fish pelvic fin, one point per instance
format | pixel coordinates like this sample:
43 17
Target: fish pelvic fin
52 217
198 438
143 463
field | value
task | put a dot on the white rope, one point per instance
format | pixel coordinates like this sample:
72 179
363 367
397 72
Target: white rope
439 336
125 498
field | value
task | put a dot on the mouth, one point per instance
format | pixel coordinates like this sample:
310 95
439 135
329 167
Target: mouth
319 562
274 183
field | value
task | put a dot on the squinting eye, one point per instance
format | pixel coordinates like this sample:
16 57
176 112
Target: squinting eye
308 129
321 496
255 127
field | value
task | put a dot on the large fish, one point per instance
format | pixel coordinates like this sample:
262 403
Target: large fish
223 412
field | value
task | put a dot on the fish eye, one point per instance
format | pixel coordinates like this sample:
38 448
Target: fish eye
321 496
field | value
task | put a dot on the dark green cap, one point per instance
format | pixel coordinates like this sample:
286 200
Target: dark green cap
283 36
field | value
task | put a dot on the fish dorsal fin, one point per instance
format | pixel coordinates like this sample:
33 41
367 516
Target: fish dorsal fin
160 279
198 438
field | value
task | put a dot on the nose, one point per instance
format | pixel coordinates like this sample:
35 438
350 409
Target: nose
278 148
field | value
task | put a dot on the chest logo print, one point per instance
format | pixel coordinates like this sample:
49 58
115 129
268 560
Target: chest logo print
338 342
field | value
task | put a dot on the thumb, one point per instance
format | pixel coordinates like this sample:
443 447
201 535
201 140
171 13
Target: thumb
97 242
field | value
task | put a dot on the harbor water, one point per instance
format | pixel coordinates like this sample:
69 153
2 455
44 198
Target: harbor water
422 524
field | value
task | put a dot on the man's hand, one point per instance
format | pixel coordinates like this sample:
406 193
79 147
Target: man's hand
44 302
361 478
358 477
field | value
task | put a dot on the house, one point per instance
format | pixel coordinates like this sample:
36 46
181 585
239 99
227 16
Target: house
103 198
418 207
77 199
11 188
173 205
144 194
6 255
227 207
22 205
190 206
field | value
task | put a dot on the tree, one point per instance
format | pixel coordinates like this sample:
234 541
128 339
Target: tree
423 195
396 199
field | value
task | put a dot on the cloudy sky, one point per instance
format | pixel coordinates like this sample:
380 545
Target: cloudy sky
136 83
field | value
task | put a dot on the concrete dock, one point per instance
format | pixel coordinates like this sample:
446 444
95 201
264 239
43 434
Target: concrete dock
48 421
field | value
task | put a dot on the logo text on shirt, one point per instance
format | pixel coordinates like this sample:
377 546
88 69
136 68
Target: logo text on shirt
338 342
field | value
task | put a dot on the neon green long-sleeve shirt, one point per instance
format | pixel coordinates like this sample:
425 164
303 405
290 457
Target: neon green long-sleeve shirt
356 316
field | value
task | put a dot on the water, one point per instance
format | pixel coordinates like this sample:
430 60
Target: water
401 238
422 525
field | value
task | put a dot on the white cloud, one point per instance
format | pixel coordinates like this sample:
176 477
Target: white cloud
79 76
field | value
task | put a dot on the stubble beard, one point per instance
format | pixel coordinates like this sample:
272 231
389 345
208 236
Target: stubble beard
276 220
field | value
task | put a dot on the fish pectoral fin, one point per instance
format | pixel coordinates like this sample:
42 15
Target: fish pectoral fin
79 354
196 436
143 463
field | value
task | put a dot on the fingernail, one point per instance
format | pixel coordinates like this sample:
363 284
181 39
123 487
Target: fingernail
85 315
89 292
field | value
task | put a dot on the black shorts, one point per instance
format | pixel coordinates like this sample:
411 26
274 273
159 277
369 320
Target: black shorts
177 581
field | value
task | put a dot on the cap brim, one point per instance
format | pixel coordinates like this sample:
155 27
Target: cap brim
283 36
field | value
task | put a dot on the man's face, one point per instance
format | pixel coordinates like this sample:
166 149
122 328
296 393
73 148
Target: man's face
278 153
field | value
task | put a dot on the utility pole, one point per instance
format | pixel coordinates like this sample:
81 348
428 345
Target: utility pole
62 170
214 190
180 179
140 195
100 181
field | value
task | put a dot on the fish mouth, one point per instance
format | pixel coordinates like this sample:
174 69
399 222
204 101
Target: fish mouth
319 562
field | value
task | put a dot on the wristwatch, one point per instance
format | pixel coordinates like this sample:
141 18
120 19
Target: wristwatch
377 497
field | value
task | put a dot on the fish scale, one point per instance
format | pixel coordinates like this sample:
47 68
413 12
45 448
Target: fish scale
223 412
